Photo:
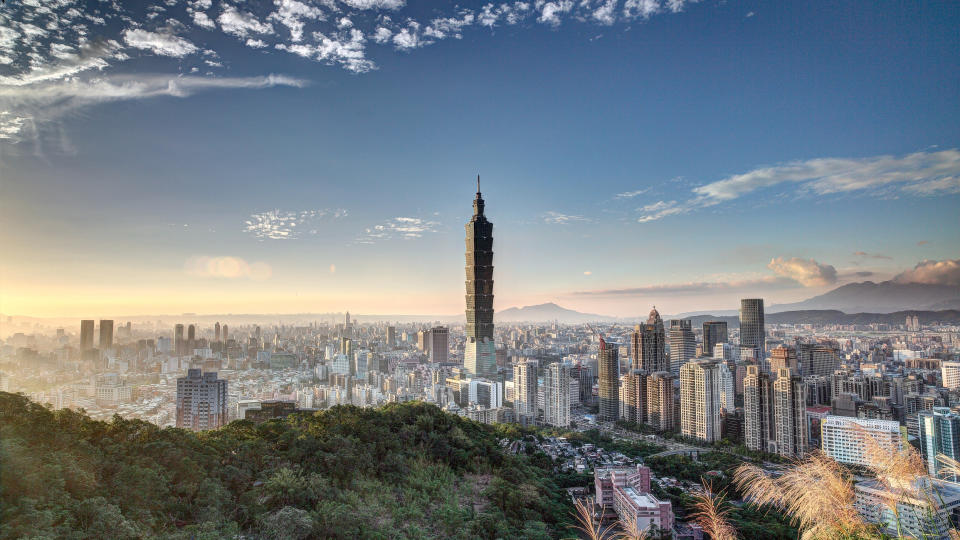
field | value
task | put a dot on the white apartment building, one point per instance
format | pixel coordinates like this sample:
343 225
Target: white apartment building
846 439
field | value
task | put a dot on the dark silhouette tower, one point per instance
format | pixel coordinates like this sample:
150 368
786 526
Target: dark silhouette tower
480 353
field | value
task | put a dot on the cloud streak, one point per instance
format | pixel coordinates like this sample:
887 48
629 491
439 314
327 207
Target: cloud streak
917 174
279 225
407 228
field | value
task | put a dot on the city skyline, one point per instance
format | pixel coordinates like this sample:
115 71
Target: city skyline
280 177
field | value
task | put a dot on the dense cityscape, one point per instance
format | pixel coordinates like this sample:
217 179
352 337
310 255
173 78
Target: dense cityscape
851 392
479 270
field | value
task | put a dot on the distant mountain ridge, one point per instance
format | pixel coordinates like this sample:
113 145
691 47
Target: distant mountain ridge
883 297
548 312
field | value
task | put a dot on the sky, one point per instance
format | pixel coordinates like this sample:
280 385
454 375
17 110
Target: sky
291 156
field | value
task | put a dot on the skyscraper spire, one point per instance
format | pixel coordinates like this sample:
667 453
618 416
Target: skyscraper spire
478 185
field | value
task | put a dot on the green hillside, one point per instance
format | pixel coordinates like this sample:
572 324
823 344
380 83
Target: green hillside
401 471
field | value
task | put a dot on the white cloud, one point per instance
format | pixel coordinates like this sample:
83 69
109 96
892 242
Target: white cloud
606 13
344 48
945 272
409 37
280 225
660 210
291 13
917 174
48 100
807 272
557 218
375 4
631 194
241 23
203 20
640 8
226 267
256 43
159 43
400 227
382 35
550 12
837 175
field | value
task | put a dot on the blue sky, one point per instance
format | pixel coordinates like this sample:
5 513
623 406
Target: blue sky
292 156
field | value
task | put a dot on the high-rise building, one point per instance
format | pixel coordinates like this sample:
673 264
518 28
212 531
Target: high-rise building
727 388
950 372
480 356
855 440
634 396
179 346
608 364
556 399
106 334
757 409
201 401
784 357
818 359
191 338
86 335
439 344
939 434
700 400
391 336
661 411
648 345
216 332
790 414
714 332
423 341
683 343
225 335
525 390
752 330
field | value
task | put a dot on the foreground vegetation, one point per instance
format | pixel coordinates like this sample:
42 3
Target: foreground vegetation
401 471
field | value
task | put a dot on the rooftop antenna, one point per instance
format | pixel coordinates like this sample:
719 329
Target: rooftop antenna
478 184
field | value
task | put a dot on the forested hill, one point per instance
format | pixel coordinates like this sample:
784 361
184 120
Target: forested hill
402 471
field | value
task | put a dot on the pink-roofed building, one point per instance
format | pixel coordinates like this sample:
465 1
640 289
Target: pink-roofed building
626 491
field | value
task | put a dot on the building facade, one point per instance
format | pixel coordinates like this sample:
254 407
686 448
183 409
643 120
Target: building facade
753 332
608 364
700 400
480 356
683 343
201 401
556 389
648 345
852 440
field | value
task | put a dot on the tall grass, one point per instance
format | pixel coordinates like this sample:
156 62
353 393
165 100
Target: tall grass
712 513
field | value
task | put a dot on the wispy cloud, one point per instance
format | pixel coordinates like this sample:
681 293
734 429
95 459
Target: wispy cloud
399 227
558 218
865 255
280 225
694 287
631 194
49 101
788 273
226 267
917 174
660 210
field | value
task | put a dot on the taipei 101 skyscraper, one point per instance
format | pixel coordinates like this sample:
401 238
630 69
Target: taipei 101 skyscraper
480 357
